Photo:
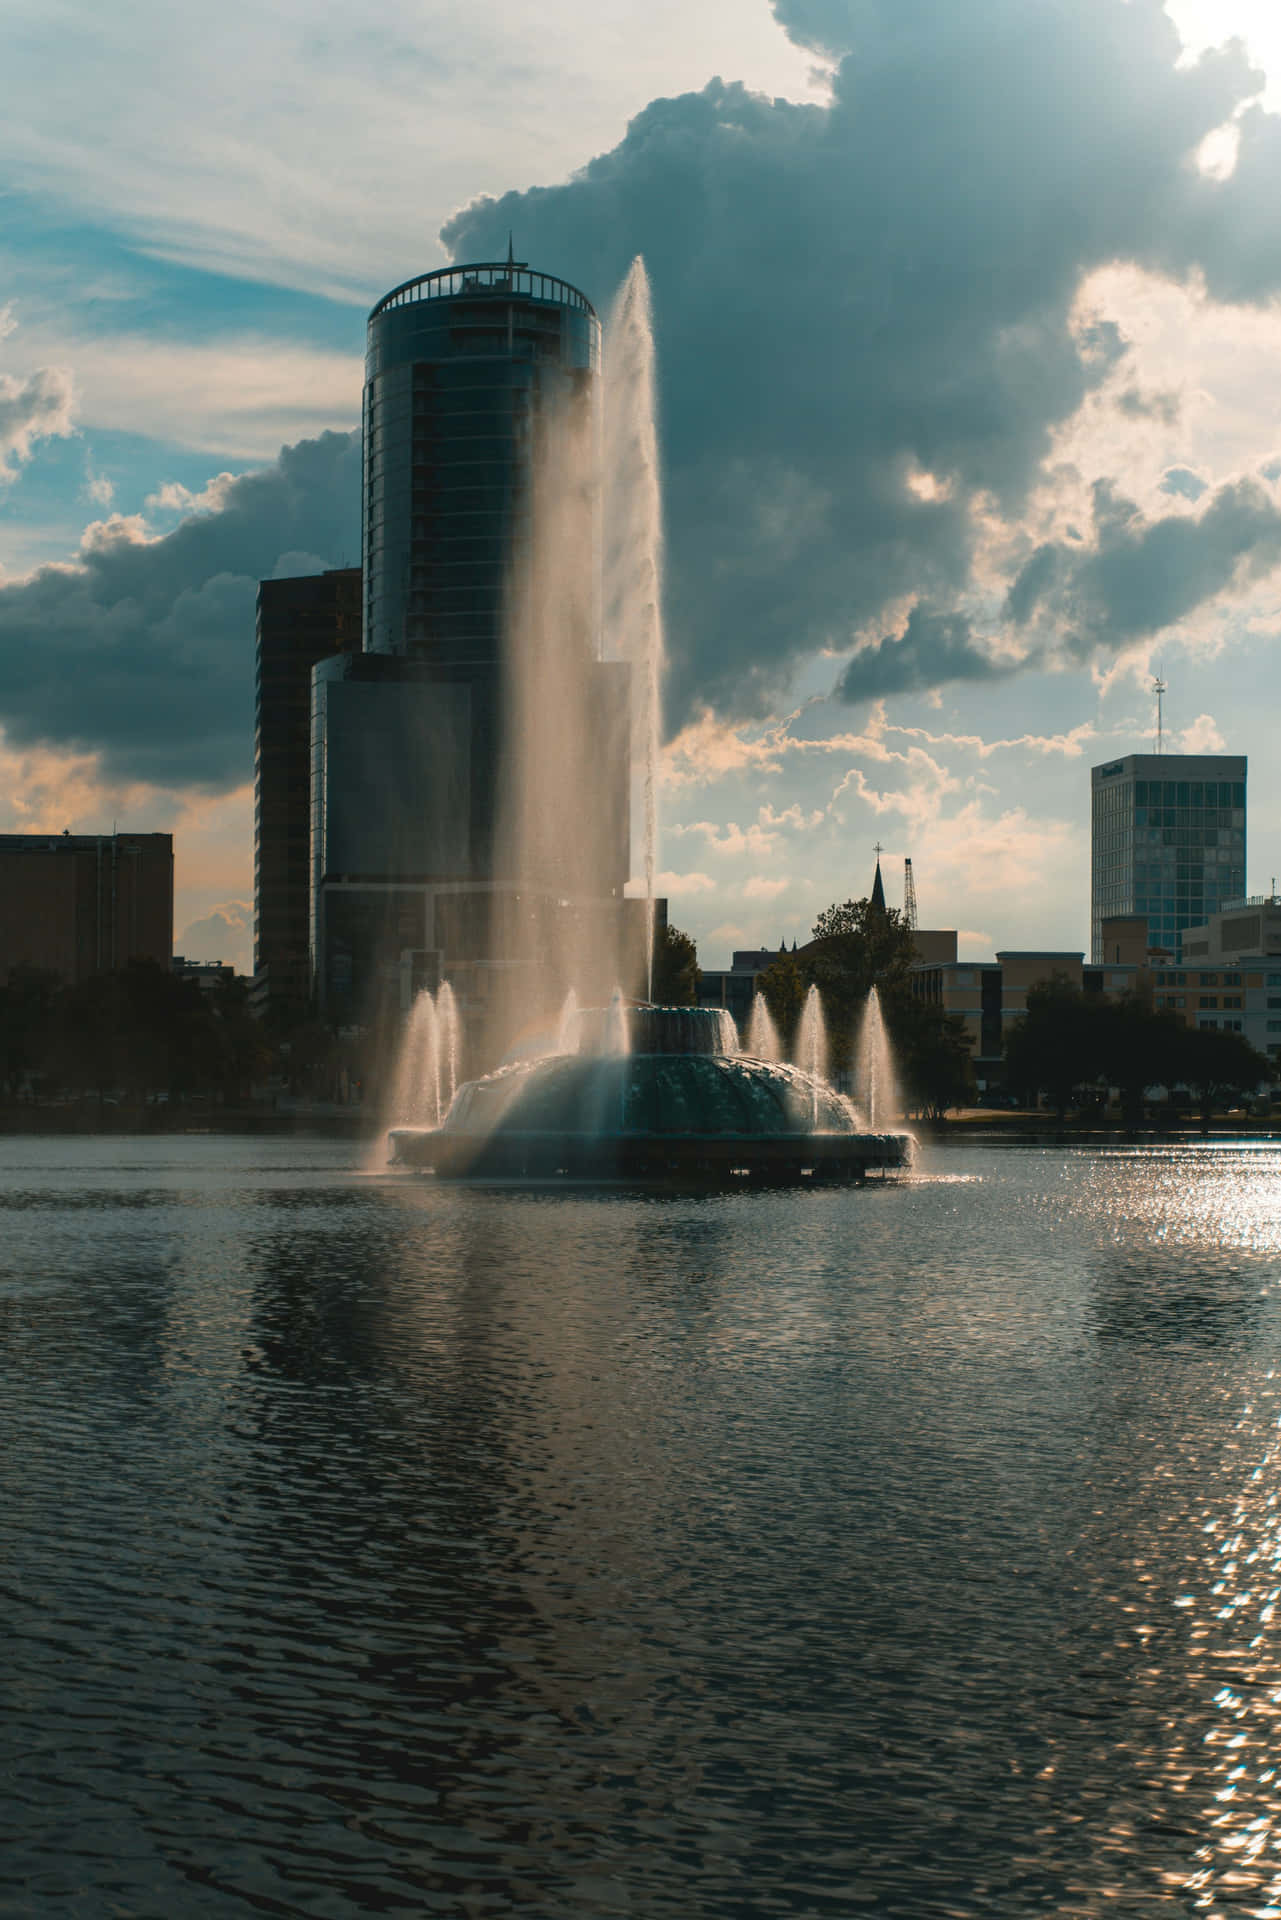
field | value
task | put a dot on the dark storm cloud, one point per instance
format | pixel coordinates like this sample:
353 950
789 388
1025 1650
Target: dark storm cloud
1142 575
849 298
846 296
146 651
933 647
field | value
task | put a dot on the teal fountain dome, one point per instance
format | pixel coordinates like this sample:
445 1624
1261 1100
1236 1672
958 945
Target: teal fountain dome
651 1093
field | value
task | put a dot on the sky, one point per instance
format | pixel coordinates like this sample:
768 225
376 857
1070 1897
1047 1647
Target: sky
968 335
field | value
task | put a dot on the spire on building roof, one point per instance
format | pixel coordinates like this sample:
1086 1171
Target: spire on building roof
511 251
877 900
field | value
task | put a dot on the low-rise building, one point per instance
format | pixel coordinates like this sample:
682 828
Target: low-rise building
76 904
990 995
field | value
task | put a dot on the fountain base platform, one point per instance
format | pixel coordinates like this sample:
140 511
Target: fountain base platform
755 1160
657 1095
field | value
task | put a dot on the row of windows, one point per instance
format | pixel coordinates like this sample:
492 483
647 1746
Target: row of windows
1190 819
1230 979
1189 793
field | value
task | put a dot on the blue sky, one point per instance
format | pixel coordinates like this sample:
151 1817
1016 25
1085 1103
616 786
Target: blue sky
968 342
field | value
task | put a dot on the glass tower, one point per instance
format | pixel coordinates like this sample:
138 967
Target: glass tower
463 366
1167 841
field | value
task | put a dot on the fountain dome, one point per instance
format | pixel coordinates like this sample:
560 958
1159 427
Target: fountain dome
682 1102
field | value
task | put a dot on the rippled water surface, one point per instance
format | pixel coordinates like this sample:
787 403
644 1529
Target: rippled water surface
373 1547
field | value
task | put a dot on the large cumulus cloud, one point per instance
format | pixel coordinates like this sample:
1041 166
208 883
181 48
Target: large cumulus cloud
868 336
851 297
144 649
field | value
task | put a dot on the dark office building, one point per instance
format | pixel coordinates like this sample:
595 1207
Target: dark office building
79 904
300 621
475 376
465 368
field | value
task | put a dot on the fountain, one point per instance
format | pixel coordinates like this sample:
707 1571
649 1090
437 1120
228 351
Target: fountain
877 1085
762 1034
617 1088
653 1094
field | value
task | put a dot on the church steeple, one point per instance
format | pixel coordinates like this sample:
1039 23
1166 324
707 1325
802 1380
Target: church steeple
877 898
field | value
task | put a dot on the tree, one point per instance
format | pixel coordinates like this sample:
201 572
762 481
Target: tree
1216 1067
676 974
934 1060
1058 1044
1137 1048
26 1020
783 987
858 946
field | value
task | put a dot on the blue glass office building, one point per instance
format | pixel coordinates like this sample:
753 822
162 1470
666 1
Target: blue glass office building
473 375
463 366
1167 841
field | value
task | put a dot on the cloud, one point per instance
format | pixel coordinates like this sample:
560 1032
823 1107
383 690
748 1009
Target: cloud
391 117
1161 407
1202 736
933 647
851 297
730 839
759 887
680 886
235 397
225 934
143 649
37 408
1183 483
1141 576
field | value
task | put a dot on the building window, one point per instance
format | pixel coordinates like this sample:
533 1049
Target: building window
1231 979
1208 1026
1209 1000
1231 999
1208 980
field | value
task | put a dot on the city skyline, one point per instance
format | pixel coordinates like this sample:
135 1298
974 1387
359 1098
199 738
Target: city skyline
920 622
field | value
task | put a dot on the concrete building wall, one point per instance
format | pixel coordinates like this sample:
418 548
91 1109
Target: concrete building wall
79 904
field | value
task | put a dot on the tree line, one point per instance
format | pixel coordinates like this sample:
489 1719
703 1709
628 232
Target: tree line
139 1033
1070 1047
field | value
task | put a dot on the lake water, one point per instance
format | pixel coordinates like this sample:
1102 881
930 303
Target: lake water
373 1547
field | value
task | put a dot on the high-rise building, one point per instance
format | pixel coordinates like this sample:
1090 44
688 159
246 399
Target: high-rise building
76 904
300 621
1167 842
474 374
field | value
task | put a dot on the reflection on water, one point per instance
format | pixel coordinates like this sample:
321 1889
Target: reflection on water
368 1546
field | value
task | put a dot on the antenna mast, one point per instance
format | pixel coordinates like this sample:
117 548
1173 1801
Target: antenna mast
909 895
1159 689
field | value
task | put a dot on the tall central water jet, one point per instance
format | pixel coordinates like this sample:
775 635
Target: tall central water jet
877 1081
811 1043
762 1035
633 554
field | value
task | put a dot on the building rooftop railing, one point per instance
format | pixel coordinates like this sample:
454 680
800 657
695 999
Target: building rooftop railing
1253 900
486 276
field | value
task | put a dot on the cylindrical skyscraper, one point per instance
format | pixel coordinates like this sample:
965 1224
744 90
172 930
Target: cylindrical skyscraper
470 770
463 366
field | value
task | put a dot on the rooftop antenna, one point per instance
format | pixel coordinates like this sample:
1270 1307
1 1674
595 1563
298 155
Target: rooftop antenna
1159 689
909 895
511 251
